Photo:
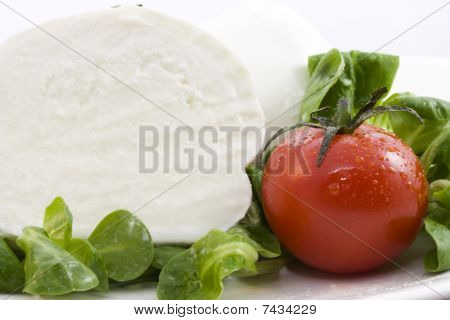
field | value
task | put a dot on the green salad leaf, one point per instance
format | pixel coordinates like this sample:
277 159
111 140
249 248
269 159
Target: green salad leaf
163 254
49 269
264 266
197 273
254 226
149 276
255 175
125 244
12 276
58 222
437 225
436 158
343 87
372 71
325 74
362 73
85 252
434 112
431 141
11 241
256 233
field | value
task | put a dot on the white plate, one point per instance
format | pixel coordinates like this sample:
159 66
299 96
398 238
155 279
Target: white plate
423 76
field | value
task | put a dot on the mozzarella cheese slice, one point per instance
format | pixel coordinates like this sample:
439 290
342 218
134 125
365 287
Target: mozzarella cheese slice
72 105
274 43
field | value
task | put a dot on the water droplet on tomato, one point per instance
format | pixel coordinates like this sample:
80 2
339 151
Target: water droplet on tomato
333 188
359 159
375 181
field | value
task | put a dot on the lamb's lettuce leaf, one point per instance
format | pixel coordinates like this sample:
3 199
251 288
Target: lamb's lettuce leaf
150 275
85 252
163 254
436 158
11 241
197 273
51 270
120 248
372 71
58 222
431 141
255 175
125 244
12 277
265 266
257 233
434 112
437 225
325 74
343 87
254 226
363 73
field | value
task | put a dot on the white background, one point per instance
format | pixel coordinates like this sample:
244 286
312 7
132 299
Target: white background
346 24
112 310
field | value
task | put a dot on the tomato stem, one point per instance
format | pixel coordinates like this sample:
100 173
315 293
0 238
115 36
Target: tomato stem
341 122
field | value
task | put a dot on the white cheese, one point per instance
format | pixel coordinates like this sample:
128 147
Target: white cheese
274 43
70 128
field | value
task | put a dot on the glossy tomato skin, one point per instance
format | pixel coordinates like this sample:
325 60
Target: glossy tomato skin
363 206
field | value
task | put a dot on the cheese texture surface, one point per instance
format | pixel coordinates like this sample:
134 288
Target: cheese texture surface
274 43
72 108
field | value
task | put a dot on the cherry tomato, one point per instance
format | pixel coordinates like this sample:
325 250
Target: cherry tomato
362 207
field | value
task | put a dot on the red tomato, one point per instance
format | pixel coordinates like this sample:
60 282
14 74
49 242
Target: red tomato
363 206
